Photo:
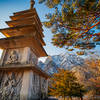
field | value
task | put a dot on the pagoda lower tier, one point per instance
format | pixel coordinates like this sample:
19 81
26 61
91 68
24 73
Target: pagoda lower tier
20 77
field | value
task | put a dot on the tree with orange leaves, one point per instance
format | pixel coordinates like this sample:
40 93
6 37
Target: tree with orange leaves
64 83
93 84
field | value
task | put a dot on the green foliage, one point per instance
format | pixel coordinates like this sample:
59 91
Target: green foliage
64 83
77 21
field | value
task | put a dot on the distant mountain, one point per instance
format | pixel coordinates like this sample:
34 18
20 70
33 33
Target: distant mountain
41 64
65 60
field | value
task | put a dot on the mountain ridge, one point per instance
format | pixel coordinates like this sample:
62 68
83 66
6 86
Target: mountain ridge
64 60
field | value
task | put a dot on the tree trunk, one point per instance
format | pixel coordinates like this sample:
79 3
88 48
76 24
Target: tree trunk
64 97
70 98
81 98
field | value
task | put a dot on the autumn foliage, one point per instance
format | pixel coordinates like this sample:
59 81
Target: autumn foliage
64 83
94 82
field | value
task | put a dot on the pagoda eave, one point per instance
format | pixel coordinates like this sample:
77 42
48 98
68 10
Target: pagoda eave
27 21
24 11
23 23
16 31
21 16
25 15
35 69
28 11
15 23
21 42
17 27
25 29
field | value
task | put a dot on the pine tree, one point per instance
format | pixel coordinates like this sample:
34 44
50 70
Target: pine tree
75 23
64 83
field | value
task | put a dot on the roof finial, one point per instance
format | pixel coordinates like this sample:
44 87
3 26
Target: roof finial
32 2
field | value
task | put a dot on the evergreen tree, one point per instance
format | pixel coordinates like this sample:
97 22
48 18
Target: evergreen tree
75 23
93 83
64 83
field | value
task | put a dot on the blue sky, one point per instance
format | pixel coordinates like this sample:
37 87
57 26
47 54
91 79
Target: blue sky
7 7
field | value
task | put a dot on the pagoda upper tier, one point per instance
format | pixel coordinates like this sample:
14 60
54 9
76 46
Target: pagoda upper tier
25 27
24 18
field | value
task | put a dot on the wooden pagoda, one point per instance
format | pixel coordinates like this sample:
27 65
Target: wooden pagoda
20 77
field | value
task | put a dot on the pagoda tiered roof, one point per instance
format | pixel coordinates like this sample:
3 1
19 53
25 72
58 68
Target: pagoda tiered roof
22 19
28 11
25 29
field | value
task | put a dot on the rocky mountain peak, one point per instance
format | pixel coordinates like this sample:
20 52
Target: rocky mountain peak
64 60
